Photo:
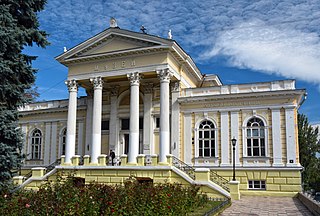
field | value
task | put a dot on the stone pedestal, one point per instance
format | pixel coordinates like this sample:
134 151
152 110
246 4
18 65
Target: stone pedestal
86 160
124 160
154 160
141 159
202 174
18 180
102 160
75 160
38 172
234 190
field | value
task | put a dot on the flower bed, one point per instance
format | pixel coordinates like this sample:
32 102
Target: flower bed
71 197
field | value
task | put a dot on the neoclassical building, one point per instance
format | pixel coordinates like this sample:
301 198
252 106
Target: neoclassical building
147 98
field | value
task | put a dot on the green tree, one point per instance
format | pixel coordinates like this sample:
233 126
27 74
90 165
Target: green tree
19 27
308 147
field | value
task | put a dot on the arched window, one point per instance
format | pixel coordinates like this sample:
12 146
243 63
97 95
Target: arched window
36 140
63 141
206 139
256 140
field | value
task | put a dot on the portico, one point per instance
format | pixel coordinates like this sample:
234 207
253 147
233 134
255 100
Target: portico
134 79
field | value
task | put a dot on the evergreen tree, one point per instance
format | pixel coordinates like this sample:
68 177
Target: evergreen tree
308 147
19 27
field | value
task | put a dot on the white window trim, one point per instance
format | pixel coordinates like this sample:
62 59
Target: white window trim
260 182
60 140
207 161
255 160
29 155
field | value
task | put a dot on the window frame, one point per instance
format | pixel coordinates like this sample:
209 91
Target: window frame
213 142
36 141
257 142
62 135
253 183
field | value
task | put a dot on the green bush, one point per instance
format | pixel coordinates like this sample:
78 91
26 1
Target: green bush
67 196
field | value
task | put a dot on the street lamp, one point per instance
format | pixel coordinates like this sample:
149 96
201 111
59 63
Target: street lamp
234 142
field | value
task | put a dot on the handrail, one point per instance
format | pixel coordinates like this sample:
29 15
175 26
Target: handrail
219 180
48 169
187 169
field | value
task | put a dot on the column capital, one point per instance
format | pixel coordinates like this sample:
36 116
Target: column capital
72 85
97 82
134 78
164 75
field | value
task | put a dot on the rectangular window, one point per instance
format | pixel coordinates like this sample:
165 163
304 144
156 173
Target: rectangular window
257 184
157 122
105 125
125 124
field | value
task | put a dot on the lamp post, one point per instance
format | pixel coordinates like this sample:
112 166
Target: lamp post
234 142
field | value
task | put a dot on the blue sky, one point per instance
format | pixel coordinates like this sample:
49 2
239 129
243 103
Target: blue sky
242 41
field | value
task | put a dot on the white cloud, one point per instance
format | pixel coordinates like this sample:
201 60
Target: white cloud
280 36
286 52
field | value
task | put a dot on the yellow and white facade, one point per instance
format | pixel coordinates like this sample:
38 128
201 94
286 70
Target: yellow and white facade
146 96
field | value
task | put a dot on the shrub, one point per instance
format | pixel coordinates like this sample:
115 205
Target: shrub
67 197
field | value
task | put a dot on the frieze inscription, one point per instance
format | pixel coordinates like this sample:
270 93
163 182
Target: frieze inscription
231 104
127 63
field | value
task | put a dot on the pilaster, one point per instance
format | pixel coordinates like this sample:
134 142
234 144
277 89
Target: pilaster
276 138
235 133
225 140
175 119
47 144
187 138
290 138
148 147
53 155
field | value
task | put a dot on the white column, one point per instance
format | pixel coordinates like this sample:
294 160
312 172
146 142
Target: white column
148 147
54 142
164 76
225 141
276 138
235 133
187 138
134 79
290 138
96 118
72 118
113 134
175 120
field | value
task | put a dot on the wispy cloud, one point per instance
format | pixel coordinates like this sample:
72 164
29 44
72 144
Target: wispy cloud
276 37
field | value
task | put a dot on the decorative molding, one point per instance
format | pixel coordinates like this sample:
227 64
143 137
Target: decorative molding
72 85
164 75
134 78
148 88
114 90
97 82
175 86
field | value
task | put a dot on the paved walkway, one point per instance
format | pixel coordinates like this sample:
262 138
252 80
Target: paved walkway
271 206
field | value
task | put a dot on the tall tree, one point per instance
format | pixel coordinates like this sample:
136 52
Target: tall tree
308 147
19 27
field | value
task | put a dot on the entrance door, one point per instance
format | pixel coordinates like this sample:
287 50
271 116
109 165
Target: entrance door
126 144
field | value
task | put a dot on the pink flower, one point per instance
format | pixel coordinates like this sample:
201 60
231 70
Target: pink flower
28 205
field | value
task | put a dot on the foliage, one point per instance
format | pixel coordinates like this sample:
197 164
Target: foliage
308 147
19 27
68 197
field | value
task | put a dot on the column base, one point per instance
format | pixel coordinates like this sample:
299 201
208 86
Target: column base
163 164
132 164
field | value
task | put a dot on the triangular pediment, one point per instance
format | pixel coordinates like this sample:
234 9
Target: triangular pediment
113 41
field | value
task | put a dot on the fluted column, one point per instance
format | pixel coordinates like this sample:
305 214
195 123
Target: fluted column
96 118
134 79
164 76
72 118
